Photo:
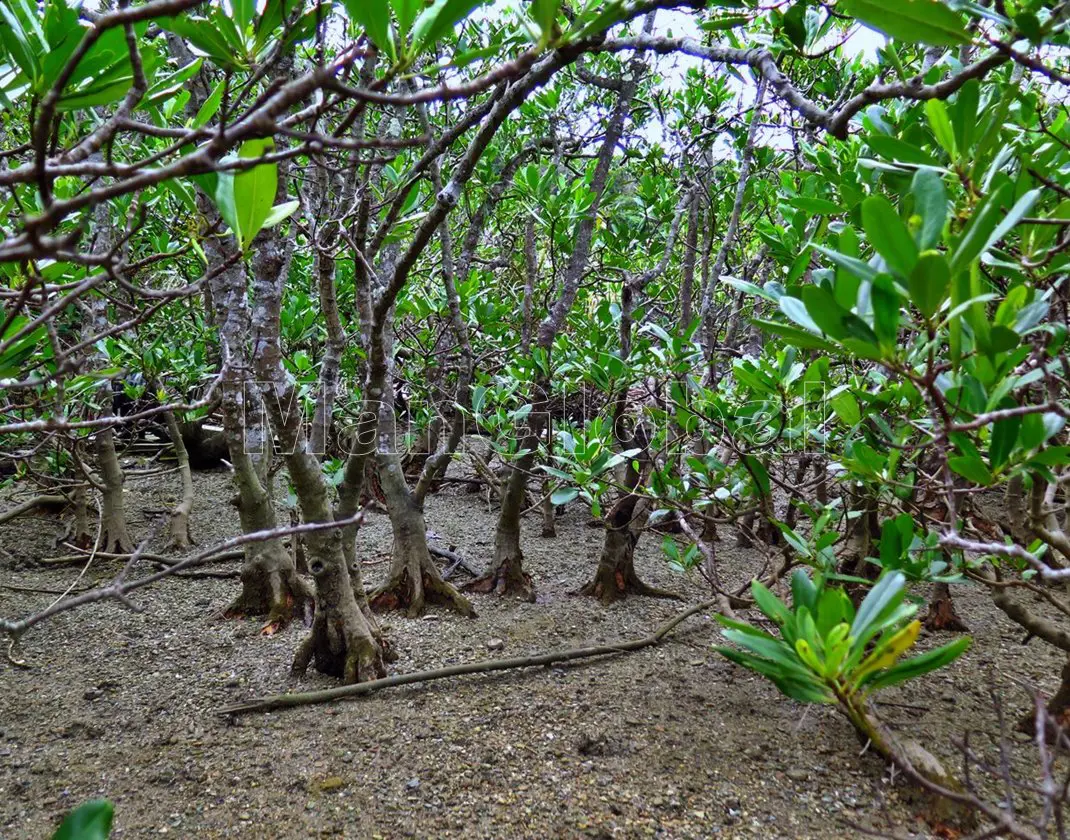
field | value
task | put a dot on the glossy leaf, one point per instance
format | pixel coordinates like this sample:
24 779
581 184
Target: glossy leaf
90 821
912 21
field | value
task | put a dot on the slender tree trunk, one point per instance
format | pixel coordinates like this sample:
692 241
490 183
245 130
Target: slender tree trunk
505 574
332 357
114 537
271 586
413 581
343 642
615 576
179 527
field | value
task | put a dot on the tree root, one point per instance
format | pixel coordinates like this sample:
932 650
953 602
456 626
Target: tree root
342 645
286 701
506 578
403 591
942 614
280 594
612 585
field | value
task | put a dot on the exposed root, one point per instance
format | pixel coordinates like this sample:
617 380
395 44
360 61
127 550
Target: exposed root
1057 719
615 578
278 593
504 578
611 585
942 614
114 538
413 593
341 645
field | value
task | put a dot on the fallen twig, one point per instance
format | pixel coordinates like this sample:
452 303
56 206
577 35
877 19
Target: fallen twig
456 559
40 590
307 698
30 504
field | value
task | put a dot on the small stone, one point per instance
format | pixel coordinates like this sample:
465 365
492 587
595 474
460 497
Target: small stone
245 816
413 784
695 663
797 774
495 644
92 694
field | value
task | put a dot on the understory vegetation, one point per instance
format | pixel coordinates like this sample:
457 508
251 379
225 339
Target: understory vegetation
786 281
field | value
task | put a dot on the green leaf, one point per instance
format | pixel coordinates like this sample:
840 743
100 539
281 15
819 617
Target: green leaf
564 495
940 123
857 267
17 43
816 206
281 212
795 24
888 591
374 17
988 224
796 337
438 20
888 234
824 311
930 203
171 84
243 12
964 114
900 151
972 468
913 21
222 194
544 13
211 105
919 665
885 300
406 13
846 407
90 821
803 591
929 283
797 311
771 606
204 36
254 190
770 649
1004 438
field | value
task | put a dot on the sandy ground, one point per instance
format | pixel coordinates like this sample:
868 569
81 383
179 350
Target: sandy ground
669 742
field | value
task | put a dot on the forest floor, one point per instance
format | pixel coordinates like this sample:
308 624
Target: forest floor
670 742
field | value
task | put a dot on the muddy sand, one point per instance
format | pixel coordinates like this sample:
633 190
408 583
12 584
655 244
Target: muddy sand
671 742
